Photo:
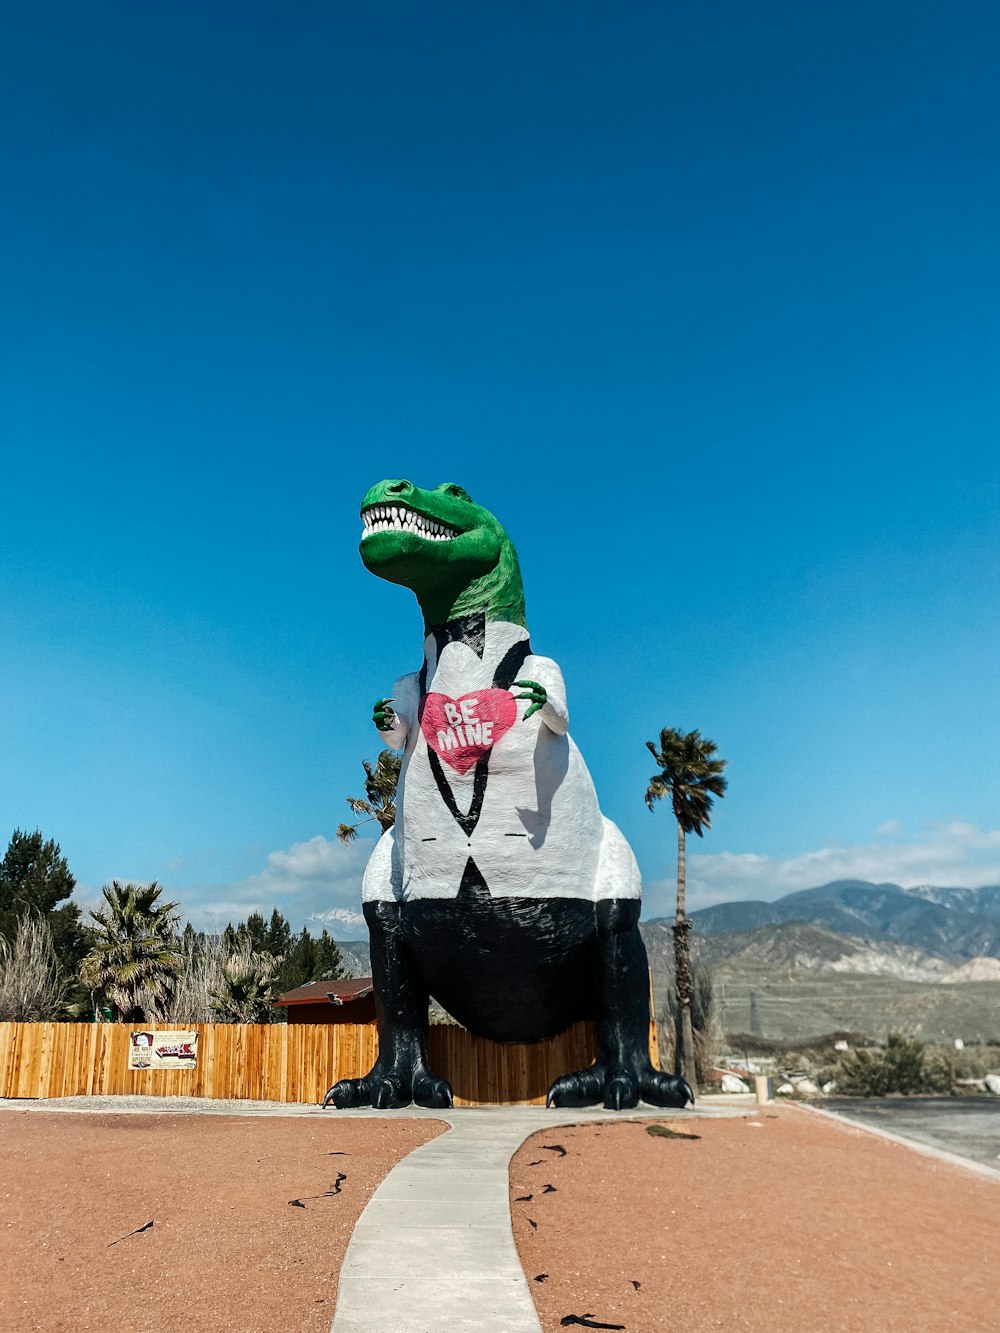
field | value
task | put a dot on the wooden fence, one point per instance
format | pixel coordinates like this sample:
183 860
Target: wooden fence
277 1062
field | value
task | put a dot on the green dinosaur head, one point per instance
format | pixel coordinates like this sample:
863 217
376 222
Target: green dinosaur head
453 554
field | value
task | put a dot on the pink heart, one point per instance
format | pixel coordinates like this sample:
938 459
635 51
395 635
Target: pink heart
462 730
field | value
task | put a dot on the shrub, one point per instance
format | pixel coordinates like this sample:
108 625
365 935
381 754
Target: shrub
862 1074
905 1062
32 987
200 976
976 1061
939 1071
904 1066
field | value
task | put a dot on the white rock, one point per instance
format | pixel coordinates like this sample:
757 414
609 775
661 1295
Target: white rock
785 1090
828 1088
730 1083
807 1086
992 1082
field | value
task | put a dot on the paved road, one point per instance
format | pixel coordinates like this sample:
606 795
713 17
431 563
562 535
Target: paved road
966 1126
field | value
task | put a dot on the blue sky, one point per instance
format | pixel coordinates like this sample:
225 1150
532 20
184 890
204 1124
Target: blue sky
701 301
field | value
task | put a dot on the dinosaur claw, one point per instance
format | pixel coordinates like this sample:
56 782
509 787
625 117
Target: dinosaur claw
659 1089
433 1092
347 1093
583 1088
386 1095
620 1093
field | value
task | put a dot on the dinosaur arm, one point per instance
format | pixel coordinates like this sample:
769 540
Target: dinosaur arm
399 711
544 692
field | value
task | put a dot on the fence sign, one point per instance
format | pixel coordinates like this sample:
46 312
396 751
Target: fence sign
162 1050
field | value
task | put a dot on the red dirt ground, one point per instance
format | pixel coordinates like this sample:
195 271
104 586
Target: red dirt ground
769 1221
226 1254
776 1220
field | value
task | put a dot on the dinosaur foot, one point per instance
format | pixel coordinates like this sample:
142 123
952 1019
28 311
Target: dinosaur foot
619 1088
389 1089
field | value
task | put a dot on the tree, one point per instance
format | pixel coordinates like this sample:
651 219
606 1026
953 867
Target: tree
690 776
310 959
245 988
329 963
134 953
380 800
297 959
279 936
255 931
34 879
251 934
702 1017
300 965
274 938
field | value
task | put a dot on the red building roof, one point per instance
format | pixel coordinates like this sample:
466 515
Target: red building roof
335 992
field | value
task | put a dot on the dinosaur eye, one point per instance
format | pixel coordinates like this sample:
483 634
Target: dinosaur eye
457 492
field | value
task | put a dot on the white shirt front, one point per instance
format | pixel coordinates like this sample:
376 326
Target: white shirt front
540 832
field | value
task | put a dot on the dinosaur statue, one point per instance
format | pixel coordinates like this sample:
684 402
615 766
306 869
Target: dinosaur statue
502 890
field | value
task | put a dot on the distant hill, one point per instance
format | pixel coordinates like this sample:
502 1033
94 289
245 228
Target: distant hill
976 969
797 946
799 978
847 926
849 955
870 957
355 957
955 923
805 947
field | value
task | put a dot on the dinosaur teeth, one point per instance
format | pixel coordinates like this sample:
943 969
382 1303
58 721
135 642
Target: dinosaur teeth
398 518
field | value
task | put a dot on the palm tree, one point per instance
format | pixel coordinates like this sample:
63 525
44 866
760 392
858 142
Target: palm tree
245 987
380 789
134 952
691 777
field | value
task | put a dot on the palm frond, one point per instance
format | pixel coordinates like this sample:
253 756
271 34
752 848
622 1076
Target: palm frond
381 781
135 953
690 777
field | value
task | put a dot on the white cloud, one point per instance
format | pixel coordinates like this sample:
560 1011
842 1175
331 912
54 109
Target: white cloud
319 880
314 880
890 828
946 854
316 859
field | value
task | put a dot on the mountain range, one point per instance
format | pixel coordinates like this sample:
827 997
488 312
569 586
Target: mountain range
955 924
923 934
847 956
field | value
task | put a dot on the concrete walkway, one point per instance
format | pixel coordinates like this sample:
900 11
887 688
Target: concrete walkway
434 1250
